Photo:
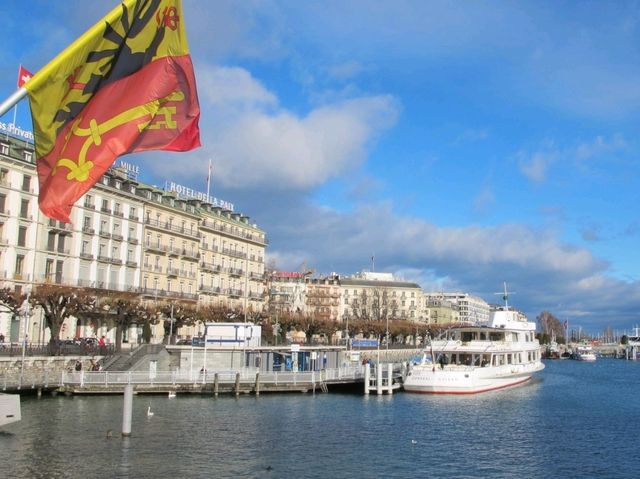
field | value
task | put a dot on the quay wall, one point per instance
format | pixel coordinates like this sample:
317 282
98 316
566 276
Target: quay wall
38 367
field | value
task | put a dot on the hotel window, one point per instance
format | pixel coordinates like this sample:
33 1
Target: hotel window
24 209
48 270
19 266
4 177
85 247
28 156
116 209
88 201
105 206
22 236
26 183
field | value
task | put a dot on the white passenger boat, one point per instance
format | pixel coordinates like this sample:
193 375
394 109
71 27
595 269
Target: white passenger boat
9 409
584 352
479 358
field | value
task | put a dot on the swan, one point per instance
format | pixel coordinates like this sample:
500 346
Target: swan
149 412
172 394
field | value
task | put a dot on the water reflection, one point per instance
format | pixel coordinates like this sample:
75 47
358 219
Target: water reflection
520 432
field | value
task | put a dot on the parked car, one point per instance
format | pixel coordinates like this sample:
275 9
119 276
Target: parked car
183 342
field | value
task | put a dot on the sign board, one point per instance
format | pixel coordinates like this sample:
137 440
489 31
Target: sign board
295 348
354 356
364 343
314 355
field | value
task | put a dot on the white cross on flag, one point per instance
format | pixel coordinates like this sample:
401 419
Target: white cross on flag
24 76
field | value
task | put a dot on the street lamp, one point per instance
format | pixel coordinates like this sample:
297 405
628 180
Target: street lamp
387 332
171 324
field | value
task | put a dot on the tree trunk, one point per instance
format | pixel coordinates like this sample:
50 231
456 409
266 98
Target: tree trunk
118 344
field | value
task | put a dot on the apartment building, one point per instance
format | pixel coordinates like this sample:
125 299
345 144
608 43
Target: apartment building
125 236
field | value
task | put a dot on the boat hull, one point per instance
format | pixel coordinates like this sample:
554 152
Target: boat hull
433 380
9 409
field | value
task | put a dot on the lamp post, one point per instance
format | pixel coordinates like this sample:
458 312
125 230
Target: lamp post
26 334
387 332
171 324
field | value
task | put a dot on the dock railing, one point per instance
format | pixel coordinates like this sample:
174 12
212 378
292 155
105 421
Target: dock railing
40 379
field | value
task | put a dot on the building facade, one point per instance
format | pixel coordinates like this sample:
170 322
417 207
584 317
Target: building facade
124 236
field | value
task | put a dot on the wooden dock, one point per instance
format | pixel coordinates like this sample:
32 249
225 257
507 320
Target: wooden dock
243 381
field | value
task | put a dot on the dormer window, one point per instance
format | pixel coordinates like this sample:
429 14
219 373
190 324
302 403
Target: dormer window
4 148
28 156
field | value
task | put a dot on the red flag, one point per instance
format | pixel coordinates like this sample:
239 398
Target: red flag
24 76
127 85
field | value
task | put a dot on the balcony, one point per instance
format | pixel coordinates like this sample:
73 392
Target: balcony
89 205
104 234
118 213
134 217
103 258
88 256
156 247
209 289
192 255
174 272
166 226
105 209
117 236
132 240
87 230
235 272
132 264
115 261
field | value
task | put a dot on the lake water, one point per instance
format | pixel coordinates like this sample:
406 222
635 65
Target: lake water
576 420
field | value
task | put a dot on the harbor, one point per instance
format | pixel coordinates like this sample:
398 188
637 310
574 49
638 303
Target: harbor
324 435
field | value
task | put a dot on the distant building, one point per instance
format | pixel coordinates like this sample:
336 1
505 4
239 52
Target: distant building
379 296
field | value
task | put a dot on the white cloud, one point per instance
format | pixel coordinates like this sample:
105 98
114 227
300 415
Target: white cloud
254 143
534 166
232 87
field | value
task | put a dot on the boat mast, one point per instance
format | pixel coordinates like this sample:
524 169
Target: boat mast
505 296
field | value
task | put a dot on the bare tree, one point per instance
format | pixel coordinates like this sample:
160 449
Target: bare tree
550 325
11 301
58 303
124 309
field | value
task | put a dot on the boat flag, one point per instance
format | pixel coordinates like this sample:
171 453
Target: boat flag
24 76
126 85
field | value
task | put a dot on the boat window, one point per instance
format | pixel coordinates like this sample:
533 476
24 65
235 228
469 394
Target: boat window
509 359
497 336
468 336
483 336
486 358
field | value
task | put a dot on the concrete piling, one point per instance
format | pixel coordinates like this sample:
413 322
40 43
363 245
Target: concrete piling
127 410
367 378
257 386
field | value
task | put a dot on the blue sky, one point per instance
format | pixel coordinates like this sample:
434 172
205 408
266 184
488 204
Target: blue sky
462 143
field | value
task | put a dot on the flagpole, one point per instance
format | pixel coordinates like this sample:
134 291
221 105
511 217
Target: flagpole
12 100
209 182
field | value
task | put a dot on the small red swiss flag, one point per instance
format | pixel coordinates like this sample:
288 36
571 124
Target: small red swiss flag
24 76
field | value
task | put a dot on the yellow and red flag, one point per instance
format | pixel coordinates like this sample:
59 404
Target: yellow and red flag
126 85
